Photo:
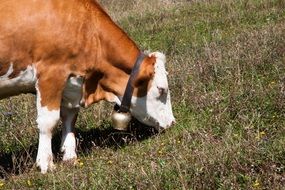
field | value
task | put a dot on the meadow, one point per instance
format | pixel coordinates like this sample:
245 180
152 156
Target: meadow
226 64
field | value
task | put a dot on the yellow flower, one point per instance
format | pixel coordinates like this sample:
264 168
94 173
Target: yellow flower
256 184
260 135
110 162
1 184
29 183
81 164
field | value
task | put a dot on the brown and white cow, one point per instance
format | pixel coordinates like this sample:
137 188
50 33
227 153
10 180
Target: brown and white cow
71 54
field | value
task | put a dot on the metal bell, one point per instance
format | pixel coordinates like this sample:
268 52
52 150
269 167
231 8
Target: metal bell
121 120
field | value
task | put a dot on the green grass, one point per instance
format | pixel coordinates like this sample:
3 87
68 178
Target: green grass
226 74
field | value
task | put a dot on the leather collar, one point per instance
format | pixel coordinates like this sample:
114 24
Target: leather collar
126 100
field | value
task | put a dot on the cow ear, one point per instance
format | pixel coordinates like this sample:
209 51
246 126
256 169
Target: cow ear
146 71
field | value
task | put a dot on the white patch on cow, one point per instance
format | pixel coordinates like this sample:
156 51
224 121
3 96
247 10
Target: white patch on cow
69 147
72 93
117 100
46 121
9 72
23 83
68 142
155 108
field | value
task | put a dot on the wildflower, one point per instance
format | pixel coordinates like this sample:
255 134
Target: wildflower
1 184
200 169
160 152
256 184
29 183
110 162
81 164
262 133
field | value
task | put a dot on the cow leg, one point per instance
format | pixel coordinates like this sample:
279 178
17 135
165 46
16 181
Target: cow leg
49 98
46 121
68 142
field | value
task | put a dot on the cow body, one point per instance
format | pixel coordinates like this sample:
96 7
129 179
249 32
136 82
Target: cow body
71 54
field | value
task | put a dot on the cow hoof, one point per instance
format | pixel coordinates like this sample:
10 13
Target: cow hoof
69 157
44 169
46 165
70 162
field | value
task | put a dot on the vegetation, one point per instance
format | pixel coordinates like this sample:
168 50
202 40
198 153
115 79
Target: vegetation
226 74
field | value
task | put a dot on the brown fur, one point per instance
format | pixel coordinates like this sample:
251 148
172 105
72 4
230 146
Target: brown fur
64 38
4 67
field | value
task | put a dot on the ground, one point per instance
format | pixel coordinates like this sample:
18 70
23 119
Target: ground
226 75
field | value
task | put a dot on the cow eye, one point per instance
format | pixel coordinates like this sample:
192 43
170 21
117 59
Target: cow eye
161 91
162 95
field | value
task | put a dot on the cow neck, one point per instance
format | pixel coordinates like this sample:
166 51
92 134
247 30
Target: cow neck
122 53
117 48
126 100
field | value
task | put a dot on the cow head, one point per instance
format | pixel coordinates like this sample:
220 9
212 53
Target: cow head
154 107
150 103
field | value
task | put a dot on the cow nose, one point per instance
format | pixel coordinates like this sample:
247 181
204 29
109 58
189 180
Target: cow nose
171 124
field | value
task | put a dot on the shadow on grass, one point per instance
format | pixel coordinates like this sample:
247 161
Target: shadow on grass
16 163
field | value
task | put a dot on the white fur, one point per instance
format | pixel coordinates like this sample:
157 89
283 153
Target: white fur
24 82
9 72
154 109
46 120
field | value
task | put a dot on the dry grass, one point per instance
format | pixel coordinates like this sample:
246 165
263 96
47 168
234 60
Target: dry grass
226 65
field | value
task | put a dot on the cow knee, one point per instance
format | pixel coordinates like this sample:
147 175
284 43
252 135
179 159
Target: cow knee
47 120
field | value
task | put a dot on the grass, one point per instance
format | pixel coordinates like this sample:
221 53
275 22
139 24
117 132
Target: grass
226 74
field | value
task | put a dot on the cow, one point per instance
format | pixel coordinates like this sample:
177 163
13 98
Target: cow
70 54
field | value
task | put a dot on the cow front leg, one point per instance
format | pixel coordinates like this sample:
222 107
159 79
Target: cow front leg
49 94
68 141
46 120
